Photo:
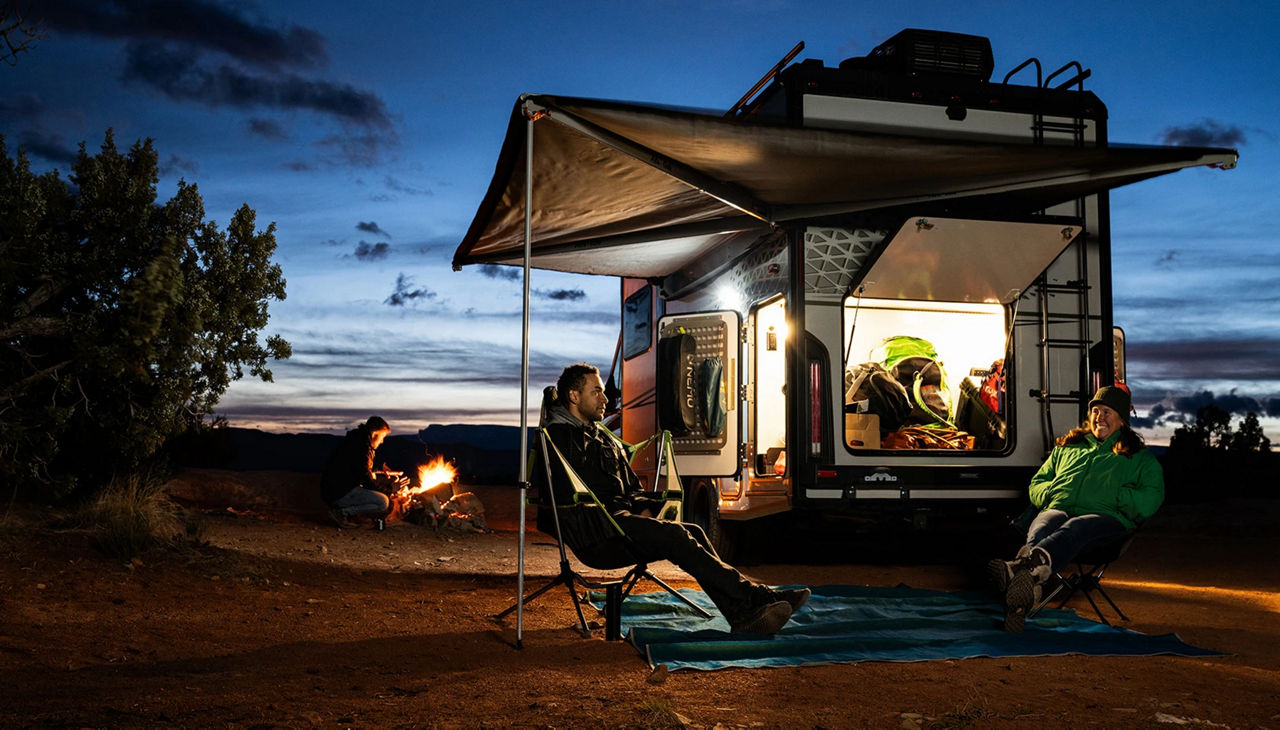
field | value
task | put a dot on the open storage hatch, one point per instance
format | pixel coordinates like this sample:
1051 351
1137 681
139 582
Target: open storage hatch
942 290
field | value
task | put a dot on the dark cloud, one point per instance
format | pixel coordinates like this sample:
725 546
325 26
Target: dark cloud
22 106
561 295
49 147
1166 260
299 166
504 273
399 187
405 293
1229 359
371 227
180 76
196 23
366 251
1207 133
267 129
1273 407
177 164
1229 402
362 150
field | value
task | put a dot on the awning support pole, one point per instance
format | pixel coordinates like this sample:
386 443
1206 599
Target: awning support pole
524 374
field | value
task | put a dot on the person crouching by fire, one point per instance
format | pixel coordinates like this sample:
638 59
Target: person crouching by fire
350 486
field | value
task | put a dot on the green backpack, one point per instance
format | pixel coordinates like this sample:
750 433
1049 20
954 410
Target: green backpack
914 363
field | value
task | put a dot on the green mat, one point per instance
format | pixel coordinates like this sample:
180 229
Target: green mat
847 624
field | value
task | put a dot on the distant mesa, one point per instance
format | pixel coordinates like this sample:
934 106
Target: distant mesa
482 454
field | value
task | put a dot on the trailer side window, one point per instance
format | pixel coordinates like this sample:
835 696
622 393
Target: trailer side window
637 323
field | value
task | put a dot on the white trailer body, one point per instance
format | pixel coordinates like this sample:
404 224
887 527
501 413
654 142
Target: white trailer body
766 256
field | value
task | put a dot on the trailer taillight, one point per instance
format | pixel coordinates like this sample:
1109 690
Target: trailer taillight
815 408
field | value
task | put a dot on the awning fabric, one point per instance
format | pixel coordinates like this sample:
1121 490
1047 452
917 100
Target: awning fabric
641 190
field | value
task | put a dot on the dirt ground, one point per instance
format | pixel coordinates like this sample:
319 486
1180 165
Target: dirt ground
280 620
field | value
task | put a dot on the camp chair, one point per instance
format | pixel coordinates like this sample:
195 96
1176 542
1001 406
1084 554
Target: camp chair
1085 575
570 512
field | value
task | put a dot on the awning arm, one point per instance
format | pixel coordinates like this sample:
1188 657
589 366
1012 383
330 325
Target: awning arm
731 195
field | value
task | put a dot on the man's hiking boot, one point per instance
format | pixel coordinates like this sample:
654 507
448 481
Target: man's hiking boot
766 619
796 597
337 517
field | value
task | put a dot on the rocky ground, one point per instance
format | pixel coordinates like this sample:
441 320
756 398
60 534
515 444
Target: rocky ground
281 620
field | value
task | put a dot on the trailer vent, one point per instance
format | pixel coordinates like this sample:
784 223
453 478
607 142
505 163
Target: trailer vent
914 52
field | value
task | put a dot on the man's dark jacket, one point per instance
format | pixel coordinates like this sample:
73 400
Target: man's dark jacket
601 462
350 466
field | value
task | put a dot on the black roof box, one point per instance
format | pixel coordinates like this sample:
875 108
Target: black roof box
915 52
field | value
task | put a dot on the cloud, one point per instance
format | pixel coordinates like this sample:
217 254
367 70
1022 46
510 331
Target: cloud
366 251
177 164
1166 260
561 295
404 294
48 146
195 23
267 129
371 227
1230 359
399 187
361 150
503 273
179 76
1230 402
1207 133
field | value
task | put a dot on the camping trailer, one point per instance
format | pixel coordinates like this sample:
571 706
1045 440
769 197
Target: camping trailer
878 289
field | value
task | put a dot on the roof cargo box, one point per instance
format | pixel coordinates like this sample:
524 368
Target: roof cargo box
915 52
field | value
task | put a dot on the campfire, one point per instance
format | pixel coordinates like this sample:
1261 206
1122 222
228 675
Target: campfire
420 501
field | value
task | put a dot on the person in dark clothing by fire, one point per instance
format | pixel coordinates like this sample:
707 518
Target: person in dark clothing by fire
350 486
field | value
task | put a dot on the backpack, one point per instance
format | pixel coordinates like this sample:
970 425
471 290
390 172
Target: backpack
914 363
677 382
992 390
869 388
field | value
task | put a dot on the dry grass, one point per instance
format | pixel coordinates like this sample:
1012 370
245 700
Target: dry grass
131 515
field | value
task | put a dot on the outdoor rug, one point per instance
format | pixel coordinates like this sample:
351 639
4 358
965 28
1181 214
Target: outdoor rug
848 624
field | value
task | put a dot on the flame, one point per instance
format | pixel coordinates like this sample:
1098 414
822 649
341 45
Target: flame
432 474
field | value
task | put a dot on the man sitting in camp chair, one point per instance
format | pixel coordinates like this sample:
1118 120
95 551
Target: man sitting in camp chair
573 425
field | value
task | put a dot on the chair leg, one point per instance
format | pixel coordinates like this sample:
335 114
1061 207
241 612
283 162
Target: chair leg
565 578
1114 607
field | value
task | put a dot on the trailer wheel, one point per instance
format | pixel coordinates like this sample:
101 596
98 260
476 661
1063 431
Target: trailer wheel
706 514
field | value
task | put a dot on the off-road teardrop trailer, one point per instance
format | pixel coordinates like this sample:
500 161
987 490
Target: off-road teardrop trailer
782 263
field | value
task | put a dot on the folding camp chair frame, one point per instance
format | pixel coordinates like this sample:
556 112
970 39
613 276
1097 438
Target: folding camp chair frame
616 591
1087 578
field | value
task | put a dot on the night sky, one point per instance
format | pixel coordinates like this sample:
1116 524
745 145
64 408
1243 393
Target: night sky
368 132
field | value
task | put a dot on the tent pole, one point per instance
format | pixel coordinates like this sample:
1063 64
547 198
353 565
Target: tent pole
524 378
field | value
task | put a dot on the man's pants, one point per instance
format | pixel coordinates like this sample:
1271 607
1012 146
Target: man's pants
1065 537
687 546
361 501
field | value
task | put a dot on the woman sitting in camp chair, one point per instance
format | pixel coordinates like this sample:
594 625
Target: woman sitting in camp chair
1099 483
573 425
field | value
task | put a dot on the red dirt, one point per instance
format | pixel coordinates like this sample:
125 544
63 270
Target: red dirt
281 621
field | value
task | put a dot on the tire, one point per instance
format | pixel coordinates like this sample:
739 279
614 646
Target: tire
724 535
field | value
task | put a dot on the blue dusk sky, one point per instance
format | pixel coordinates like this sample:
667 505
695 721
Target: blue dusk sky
368 133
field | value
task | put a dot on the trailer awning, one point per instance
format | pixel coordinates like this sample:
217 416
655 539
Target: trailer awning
641 190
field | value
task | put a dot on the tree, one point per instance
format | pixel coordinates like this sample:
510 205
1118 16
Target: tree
1249 436
18 31
1212 428
122 320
